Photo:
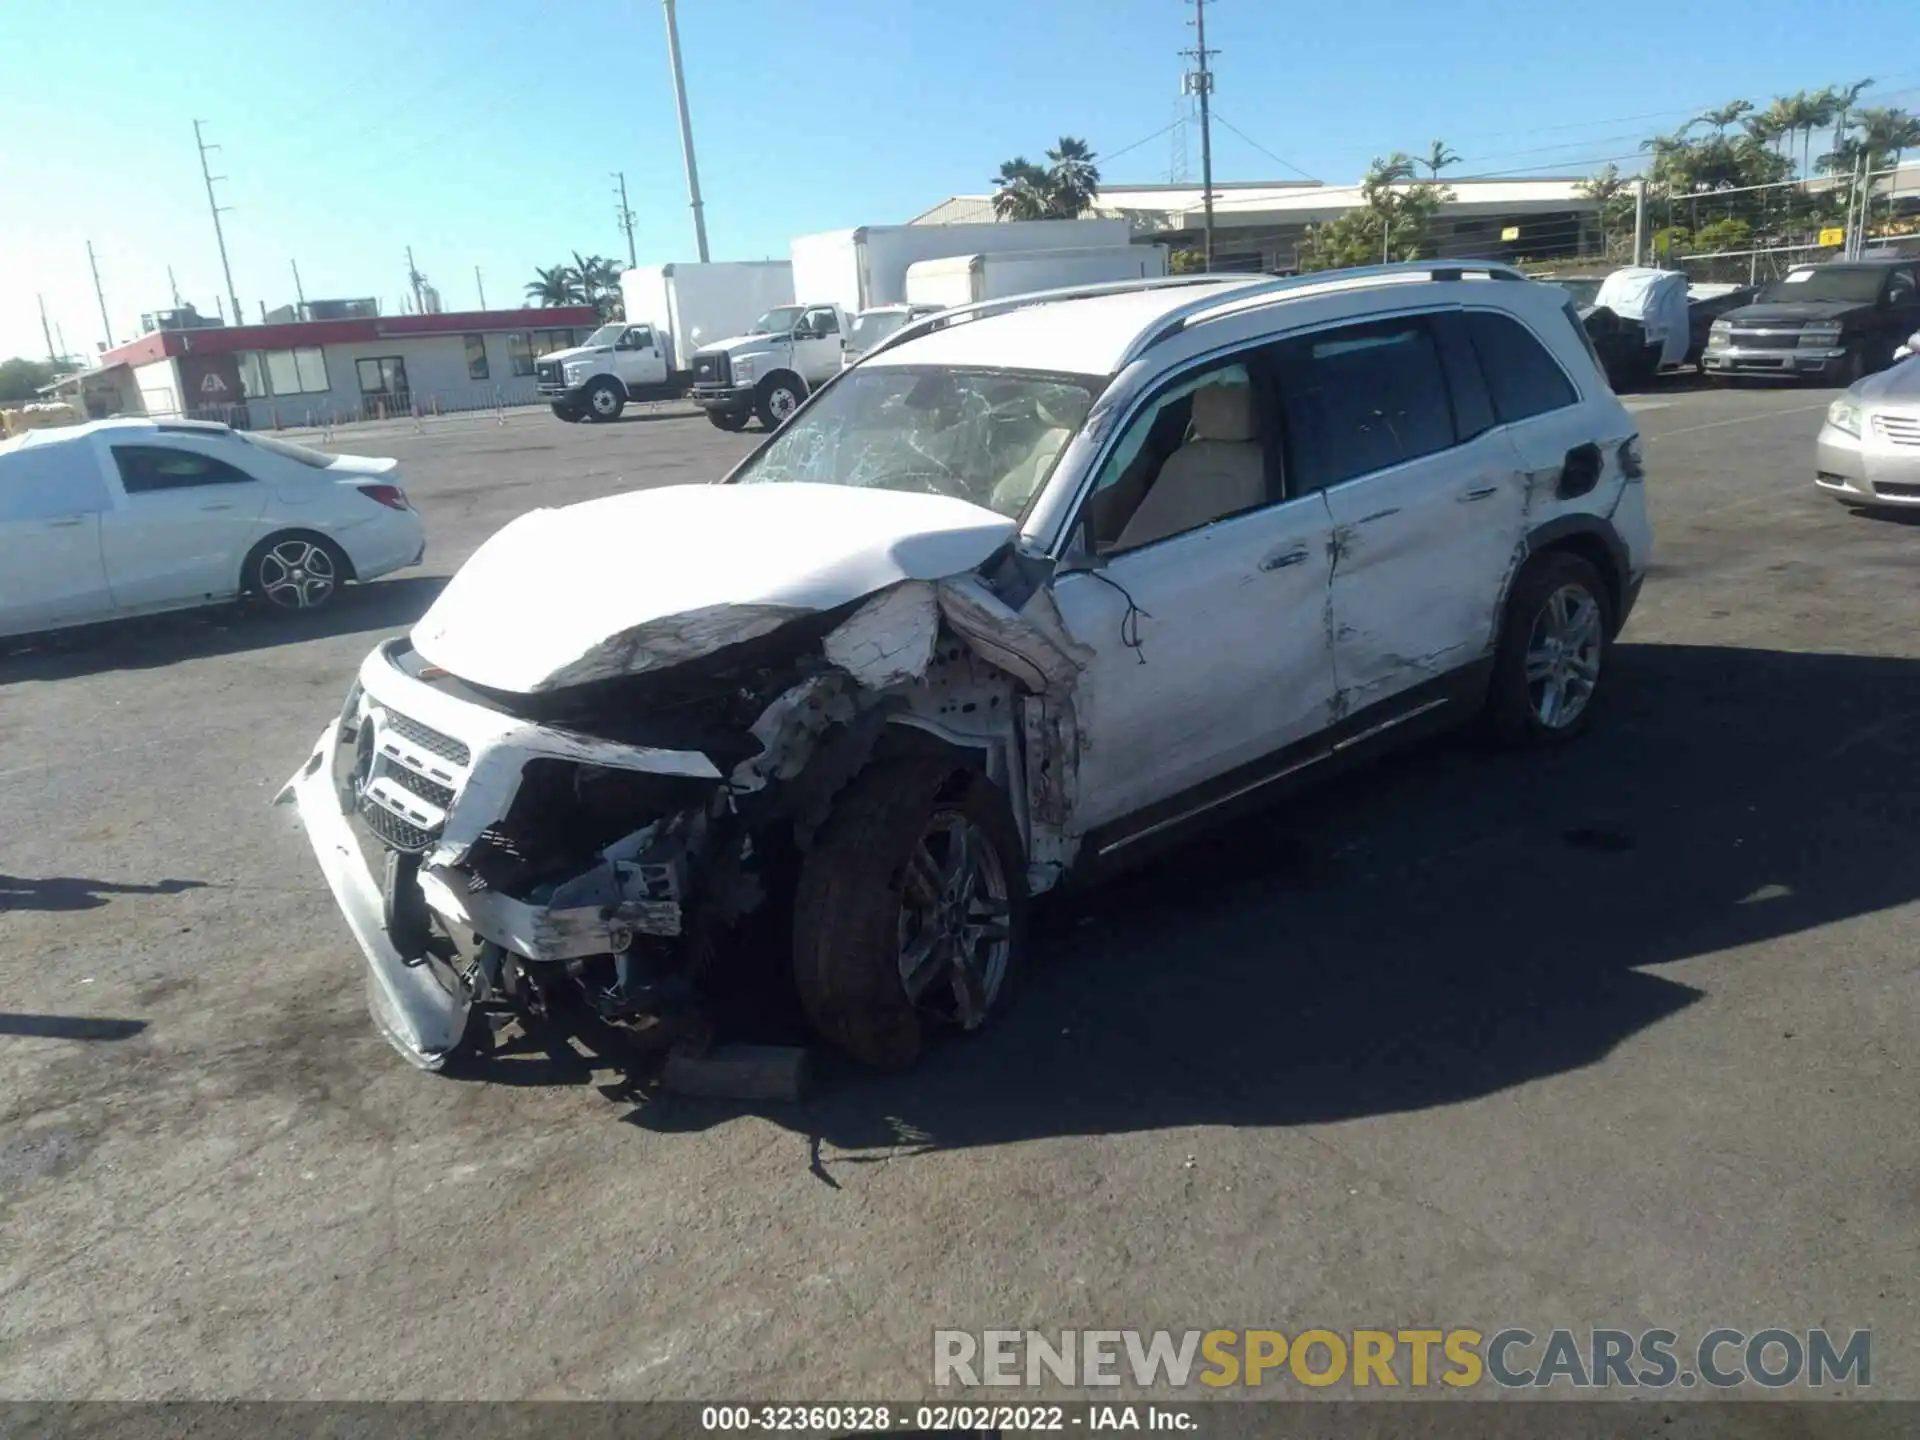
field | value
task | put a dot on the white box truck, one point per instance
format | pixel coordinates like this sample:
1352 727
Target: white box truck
672 311
865 268
994 275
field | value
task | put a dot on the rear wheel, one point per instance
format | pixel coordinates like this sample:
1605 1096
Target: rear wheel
296 573
910 913
1554 650
606 398
727 419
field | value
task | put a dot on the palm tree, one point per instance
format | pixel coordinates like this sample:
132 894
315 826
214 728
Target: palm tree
555 285
599 281
1722 116
1020 190
1841 98
1073 181
1777 123
1438 158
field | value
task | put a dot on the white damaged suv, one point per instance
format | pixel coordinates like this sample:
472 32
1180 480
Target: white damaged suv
1034 588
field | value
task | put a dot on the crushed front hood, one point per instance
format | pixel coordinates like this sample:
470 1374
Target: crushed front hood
644 580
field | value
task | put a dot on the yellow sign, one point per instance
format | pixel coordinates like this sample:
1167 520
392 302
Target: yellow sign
1512 232
1833 235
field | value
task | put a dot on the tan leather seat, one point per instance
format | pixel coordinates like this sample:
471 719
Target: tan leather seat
1219 471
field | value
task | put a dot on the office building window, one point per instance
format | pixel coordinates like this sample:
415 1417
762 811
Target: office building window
293 372
545 342
476 357
519 353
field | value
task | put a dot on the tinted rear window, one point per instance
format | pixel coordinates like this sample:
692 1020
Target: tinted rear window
1522 376
1363 398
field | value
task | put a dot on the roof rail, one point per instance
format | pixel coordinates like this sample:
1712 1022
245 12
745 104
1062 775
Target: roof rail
983 308
1197 309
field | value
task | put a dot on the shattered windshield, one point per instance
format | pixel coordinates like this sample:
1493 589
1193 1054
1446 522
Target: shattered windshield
985 436
777 321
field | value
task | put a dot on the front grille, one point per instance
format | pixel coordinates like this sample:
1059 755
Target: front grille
1766 337
392 830
1900 429
428 790
714 369
432 741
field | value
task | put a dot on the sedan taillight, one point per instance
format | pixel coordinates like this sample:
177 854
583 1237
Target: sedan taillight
391 496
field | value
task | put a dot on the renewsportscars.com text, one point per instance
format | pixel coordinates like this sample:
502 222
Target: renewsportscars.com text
1722 1358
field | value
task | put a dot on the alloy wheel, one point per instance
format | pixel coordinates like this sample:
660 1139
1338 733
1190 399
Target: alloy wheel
956 932
297 575
1563 656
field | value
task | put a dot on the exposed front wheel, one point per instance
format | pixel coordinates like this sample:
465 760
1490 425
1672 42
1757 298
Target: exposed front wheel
778 397
606 399
727 419
910 913
1554 651
568 411
296 573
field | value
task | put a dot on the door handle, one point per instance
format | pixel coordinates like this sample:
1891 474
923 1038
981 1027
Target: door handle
1280 559
1479 494
219 505
65 522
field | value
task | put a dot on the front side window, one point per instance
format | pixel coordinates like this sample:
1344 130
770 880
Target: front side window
777 321
1522 376
988 437
638 338
821 321
1363 398
1196 455
476 357
147 468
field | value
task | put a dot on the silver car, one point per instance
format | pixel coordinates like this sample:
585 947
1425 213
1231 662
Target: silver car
1869 448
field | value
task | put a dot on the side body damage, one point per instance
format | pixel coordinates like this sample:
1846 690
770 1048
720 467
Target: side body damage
614 834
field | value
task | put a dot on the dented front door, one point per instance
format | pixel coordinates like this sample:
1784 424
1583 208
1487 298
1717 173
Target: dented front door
1210 651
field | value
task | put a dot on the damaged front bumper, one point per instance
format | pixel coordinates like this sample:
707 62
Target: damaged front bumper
431 777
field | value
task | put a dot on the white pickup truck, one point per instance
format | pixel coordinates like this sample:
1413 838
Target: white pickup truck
768 371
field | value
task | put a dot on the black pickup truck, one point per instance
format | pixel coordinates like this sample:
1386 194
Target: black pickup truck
1833 323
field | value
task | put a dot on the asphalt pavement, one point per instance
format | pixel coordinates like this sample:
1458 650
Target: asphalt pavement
1617 1036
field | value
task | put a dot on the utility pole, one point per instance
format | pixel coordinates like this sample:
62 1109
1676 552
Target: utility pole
414 278
219 235
1640 221
686 131
480 287
174 286
1199 81
299 292
60 337
626 219
52 354
100 295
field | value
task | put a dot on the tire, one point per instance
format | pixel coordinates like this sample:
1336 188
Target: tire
777 398
1518 712
606 398
568 412
856 899
729 420
296 572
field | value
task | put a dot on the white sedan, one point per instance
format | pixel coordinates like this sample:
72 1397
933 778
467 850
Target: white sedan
130 517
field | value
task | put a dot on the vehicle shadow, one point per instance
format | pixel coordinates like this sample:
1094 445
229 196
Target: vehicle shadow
155 640
71 892
1449 924
68 1027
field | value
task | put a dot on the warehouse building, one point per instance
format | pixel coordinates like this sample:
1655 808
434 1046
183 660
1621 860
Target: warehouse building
332 371
1258 225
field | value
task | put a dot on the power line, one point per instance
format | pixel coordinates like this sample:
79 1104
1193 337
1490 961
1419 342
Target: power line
1263 149
218 234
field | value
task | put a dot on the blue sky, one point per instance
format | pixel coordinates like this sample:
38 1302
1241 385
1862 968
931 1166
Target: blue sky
484 133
